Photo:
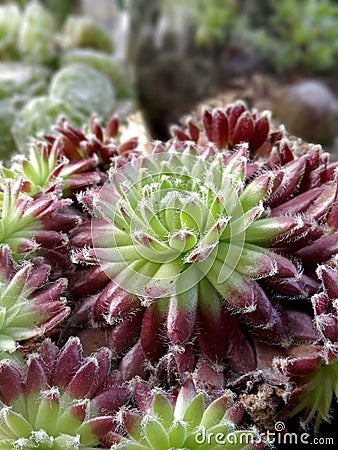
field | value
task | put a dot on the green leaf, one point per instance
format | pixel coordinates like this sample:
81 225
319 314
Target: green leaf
194 412
48 411
163 410
17 423
156 435
177 434
215 411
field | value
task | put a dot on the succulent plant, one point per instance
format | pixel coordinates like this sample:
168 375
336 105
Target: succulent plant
25 221
85 89
271 29
37 117
72 159
9 29
315 368
31 52
22 81
7 115
36 35
106 63
211 244
59 399
18 83
28 306
86 33
184 422
201 259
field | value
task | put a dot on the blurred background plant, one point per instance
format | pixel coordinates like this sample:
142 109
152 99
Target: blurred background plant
168 56
289 35
185 52
53 62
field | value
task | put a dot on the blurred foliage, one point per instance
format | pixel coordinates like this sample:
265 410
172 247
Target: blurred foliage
37 48
36 34
88 90
60 8
287 35
84 32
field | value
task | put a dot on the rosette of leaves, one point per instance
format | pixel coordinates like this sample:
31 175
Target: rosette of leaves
84 32
186 422
106 63
22 81
28 223
18 83
206 242
72 159
9 30
38 115
85 89
36 38
314 369
59 399
29 307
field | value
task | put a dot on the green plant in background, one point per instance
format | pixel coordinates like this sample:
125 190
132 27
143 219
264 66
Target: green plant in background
301 35
105 63
9 29
287 35
34 52
36 34
19 82
61 8
37 115
84 32
84 89
214 19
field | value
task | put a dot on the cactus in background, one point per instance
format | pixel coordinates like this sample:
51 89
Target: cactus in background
37 117
18 83
84 89
112 67
9 30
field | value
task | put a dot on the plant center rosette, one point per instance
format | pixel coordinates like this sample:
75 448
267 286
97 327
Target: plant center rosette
191 248
175 219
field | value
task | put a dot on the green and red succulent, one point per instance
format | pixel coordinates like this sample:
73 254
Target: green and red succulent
315 368
184 422
29 307
59 399
213 257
